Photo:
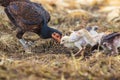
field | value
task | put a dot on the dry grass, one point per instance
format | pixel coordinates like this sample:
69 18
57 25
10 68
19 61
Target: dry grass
51 61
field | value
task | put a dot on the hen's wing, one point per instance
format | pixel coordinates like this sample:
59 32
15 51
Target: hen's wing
28 13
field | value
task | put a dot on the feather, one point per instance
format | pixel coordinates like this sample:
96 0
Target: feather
29 16
5 3
110 36
28 13
81 39
111 42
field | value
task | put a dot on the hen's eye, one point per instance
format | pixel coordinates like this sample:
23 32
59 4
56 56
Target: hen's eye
57 36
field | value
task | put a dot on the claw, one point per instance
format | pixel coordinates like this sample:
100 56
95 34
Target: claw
26 45
30 43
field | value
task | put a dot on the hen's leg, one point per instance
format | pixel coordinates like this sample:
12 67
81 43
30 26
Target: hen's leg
22 41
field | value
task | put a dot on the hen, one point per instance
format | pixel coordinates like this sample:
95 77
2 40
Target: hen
29 16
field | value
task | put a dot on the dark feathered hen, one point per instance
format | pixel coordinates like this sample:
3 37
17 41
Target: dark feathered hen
111 42
29 16
5 3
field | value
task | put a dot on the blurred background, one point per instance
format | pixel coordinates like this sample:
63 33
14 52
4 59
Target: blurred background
49 60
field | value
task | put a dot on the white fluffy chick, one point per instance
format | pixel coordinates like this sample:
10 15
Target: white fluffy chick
66 43
98 37
82 34
79 43
77 40
81 38
95 35
93 30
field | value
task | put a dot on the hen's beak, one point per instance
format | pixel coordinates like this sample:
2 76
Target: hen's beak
56 36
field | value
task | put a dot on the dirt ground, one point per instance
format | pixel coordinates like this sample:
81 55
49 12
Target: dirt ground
52 61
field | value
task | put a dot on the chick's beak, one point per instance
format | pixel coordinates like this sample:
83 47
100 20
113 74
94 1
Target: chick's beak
61 43
56 36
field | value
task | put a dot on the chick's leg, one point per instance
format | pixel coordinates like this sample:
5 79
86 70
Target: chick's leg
80 52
